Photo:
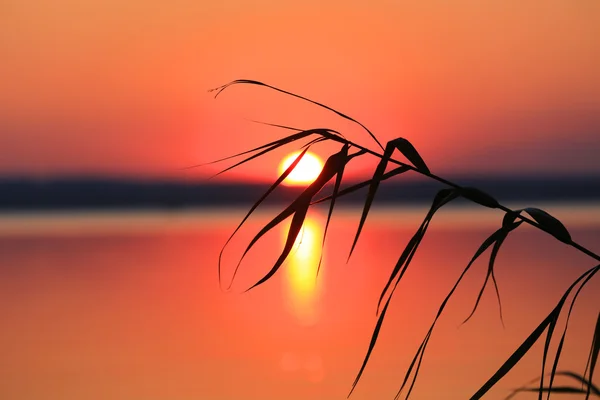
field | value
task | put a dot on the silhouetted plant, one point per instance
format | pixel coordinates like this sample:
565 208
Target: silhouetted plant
334 168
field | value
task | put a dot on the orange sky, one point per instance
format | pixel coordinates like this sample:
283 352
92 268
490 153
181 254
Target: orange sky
119 88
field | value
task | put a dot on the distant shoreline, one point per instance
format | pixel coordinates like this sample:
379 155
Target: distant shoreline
97 194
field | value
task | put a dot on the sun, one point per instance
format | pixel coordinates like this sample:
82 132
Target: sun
305 172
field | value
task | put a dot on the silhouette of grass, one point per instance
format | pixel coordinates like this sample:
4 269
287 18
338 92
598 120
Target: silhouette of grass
513 219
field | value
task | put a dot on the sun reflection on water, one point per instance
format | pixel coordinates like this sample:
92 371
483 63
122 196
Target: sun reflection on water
301 288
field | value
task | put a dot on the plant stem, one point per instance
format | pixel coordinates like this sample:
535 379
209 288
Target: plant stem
456 186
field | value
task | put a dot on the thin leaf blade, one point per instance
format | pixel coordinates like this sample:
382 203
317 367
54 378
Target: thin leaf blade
408 150
551 224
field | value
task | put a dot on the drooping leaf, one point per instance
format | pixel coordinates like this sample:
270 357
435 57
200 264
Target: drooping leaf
295 227
281 178
253 82
377 176
514 358
282 216
530 341
330 133
562 339
549 334
497 238
299 208
325 134
479 197
558 389
593 357
343 159
396 171
443 197
497 244
550 224
421 351
409 151
273 145
408 250
374 337
417 359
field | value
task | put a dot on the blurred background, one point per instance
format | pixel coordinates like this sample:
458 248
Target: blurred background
109 247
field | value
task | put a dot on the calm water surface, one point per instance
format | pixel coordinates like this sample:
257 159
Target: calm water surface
128 305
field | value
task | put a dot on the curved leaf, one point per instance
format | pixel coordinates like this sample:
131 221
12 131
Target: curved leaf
558 389
338 180
530 341
396 171
377 176
298 207
549 223
479 197
293 232
258 202
497 238
374 337
253 82
593 357
409 151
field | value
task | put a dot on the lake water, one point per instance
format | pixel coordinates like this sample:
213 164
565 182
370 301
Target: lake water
127 305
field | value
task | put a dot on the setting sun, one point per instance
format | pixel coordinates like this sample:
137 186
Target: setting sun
305 172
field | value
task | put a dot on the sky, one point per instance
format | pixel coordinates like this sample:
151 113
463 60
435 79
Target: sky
112 88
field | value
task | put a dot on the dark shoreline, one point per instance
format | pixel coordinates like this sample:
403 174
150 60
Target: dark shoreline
28 194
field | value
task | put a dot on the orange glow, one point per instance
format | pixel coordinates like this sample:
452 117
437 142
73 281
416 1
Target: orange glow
305 172
301 281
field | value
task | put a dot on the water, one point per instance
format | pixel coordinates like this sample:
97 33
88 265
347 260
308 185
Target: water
128 305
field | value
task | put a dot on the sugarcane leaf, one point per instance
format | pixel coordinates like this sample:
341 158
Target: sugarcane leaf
593 357
372 343
339 176
530 341
549 223
479 197
295 227
377 176
397 171
553 372
409 151
253 82
281 178
443 197
497 238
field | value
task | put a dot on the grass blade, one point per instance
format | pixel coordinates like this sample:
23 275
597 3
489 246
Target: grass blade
495 249
530 341
285 140
479 197
409 151
562 339
593 357
295 227
253 82
421 351
371 346
558 389
551 224
358 186
379 171
514 358
342 164
277 144
443 197
258 202
498 238
299 208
